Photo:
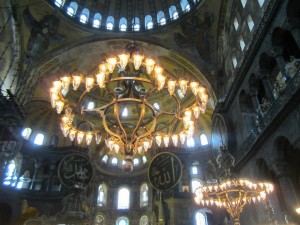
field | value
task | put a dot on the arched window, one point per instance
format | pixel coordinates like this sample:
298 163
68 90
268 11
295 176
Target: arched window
123 24
105 158
196 183
84 17
173 12
148 22
244 2
194 170
235 23
144 220
72 8
136 24
234 61
39 139
91 105
125 112
97 20
123 198
261 2
156 106
102 195
136 162
200 218
59 3
144 195
122 221
110 23
185 6
190 142
54 141
161 18
242 43
250 22
144 158
114 161
26 133
10 174
203 139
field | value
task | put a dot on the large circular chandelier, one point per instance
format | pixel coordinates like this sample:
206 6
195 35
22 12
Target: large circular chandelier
229 192
128 83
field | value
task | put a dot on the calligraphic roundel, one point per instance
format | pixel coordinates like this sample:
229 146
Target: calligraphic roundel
75 171
165 171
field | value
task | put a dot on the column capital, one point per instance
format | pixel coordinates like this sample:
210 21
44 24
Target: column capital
277 51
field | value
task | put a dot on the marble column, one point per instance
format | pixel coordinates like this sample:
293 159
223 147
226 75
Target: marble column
277 52
282 171
50 181
253 92
37 166
264 76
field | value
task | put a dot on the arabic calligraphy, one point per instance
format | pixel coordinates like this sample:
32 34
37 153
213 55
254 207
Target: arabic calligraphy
165 171
75 171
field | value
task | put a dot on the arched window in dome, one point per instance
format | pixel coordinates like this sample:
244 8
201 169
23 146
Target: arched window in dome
190 142
105 158
84 16
148 22
235 23
144 195
122 221
244 2
59 3
97 20
234 61
136 24
242 43
196 183
144 158
102 195
250 22
136 162
195 166
91 105
114 161
161 18
185 6
200 218
144 220
26 133
123 24
123 198
203 139
39 139
173 12
10 174
110 23
72 8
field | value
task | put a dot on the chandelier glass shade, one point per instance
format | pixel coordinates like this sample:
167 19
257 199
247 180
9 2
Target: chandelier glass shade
125 92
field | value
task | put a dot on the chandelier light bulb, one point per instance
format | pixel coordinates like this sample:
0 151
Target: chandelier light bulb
182 137
80 136
116 147
89 83
158 70
65 129
76 81
54 98
186 121
111 63
57 85
102 68
101 79
161 79
194 86
59 106
166 139
146 145
175 139
183 85
137 60
72 134
171 86
196 111
98 138
88 138
65 82
150 63
158 139
124 57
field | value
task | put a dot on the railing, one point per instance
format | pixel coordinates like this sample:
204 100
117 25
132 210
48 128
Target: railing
275 109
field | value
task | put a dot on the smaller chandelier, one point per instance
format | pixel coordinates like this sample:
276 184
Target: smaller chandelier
128 82
231 193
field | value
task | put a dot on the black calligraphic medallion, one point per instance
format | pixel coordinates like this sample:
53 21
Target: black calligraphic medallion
75 171
164 171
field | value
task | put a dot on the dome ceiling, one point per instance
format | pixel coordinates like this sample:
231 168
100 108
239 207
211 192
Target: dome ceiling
125 15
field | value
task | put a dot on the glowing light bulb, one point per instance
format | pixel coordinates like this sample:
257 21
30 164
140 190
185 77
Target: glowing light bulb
102 68
72 134
194 86
98 138
59 106
149 65
196 110
175 139
158 139
80 136
137 60
76 81
161 79
111 63
124 59
166 139
183 85
101 79
182 137
171 86
65 82
89 83
88 138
